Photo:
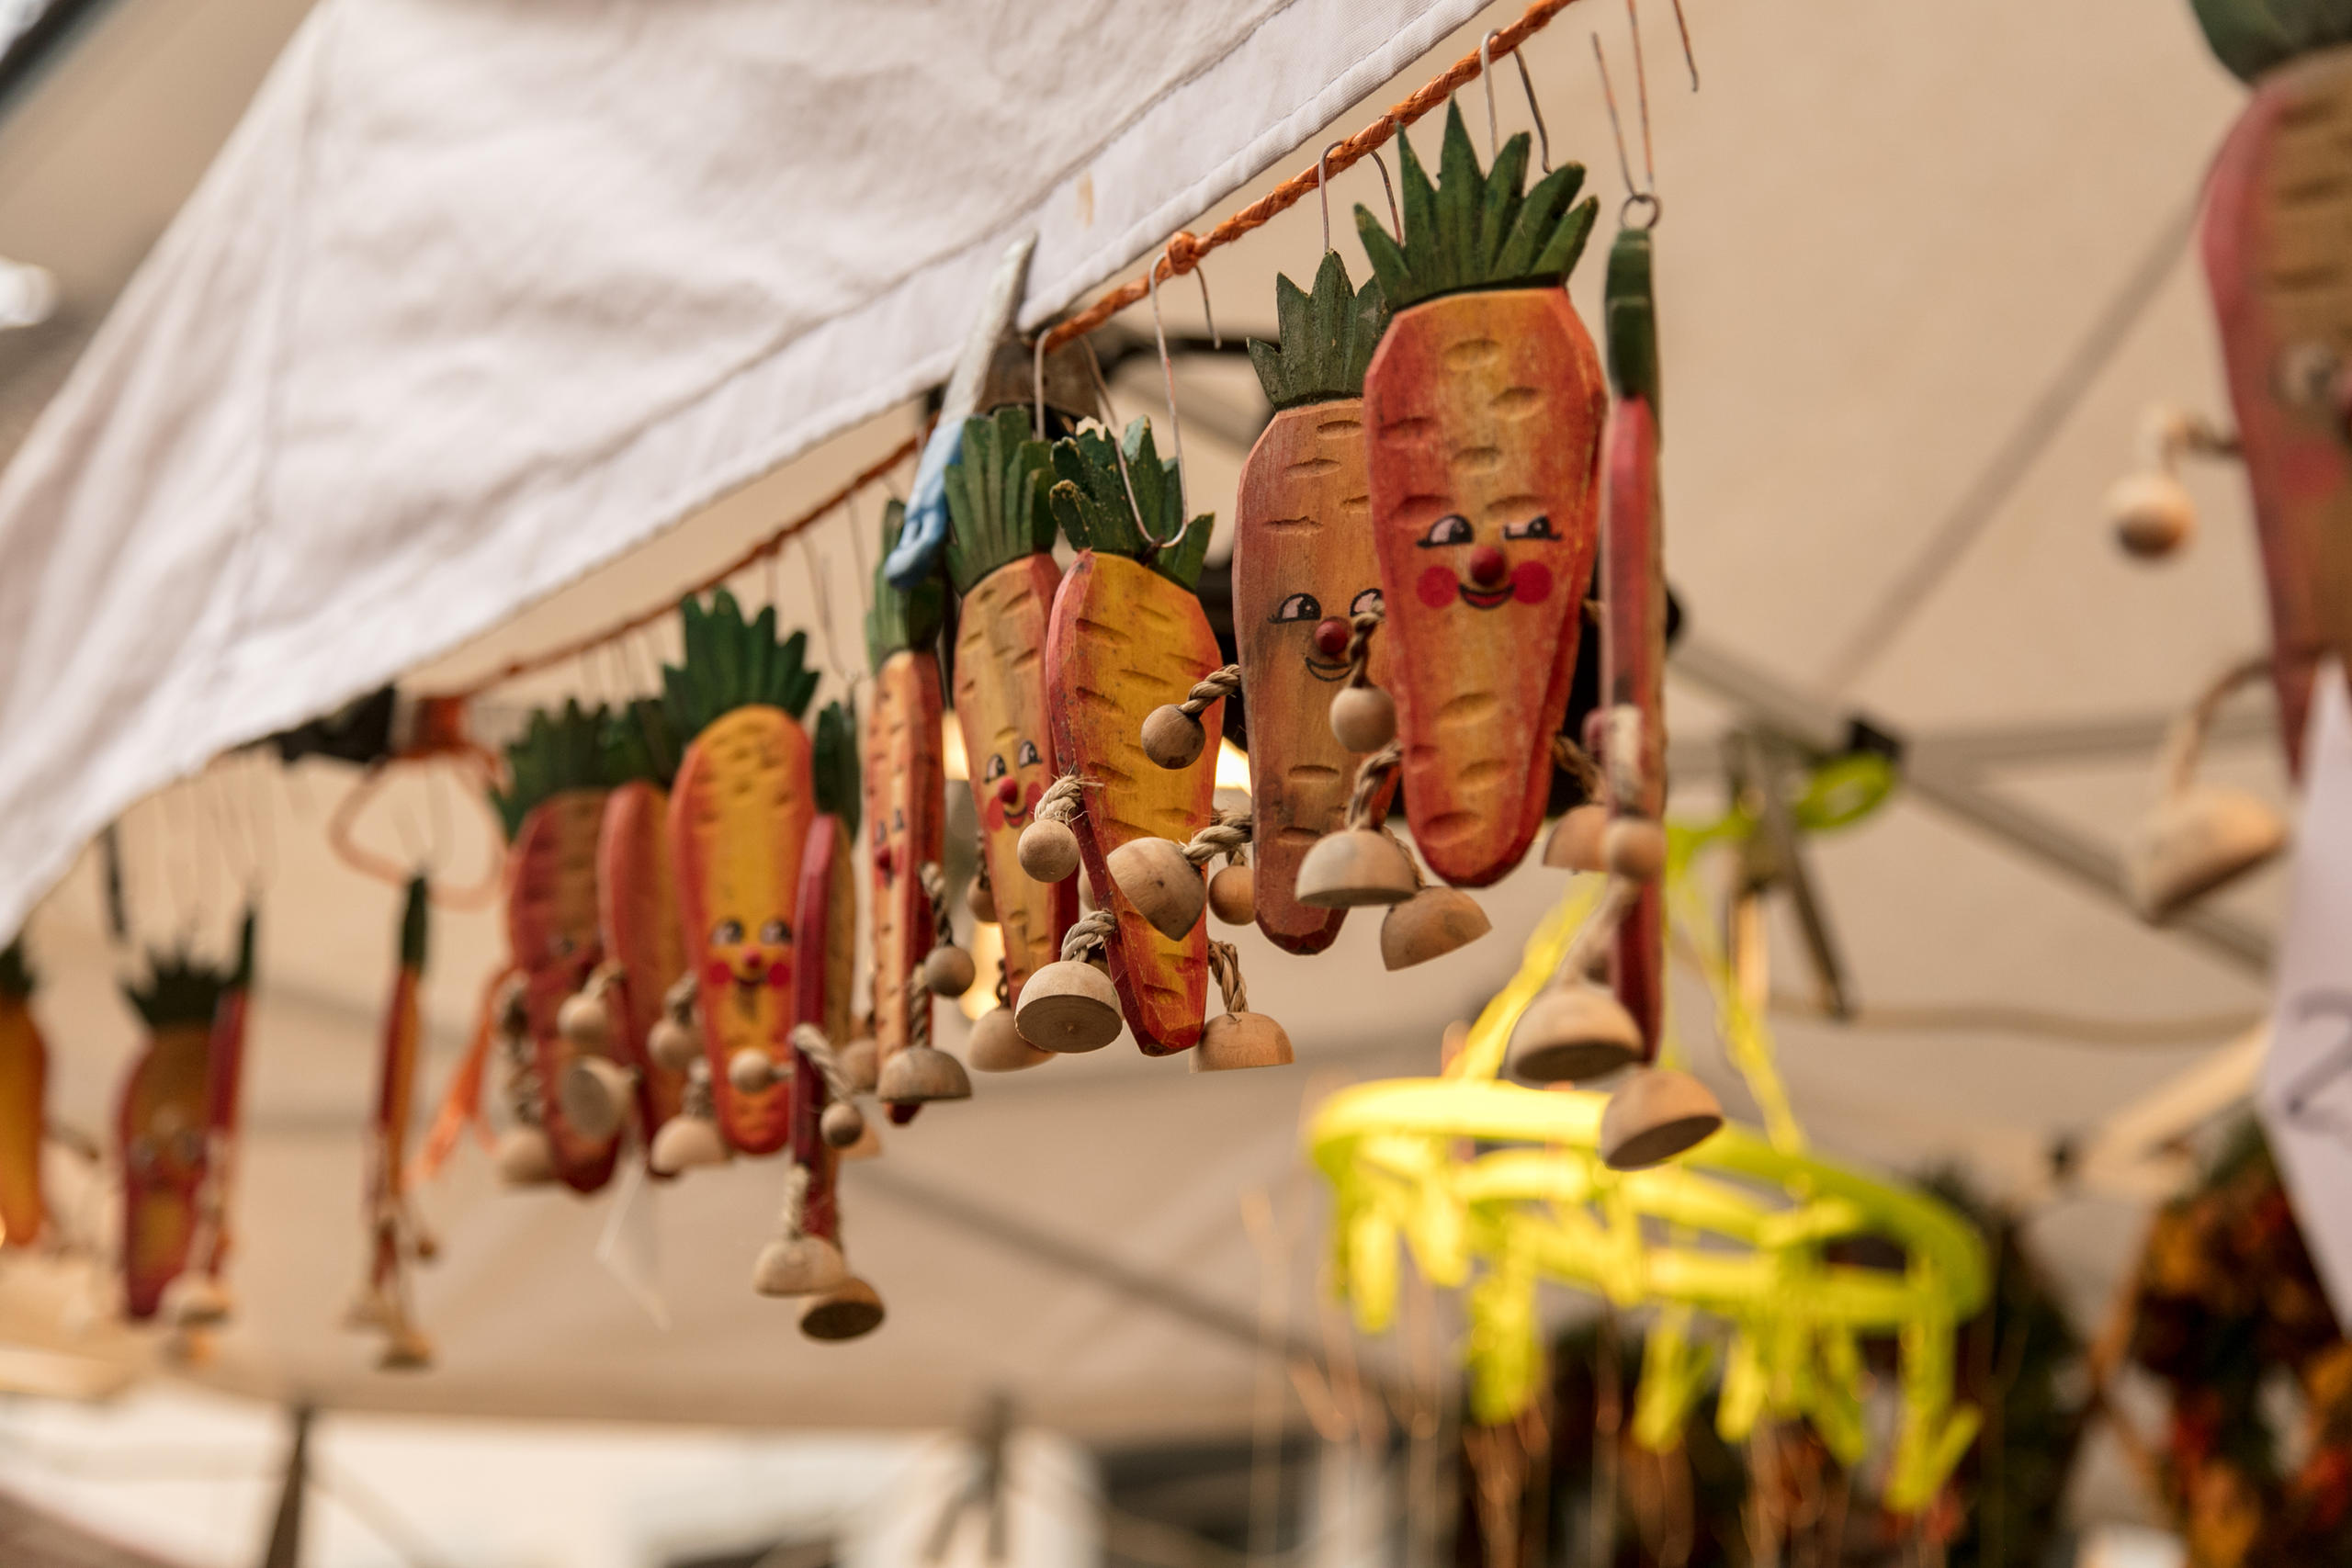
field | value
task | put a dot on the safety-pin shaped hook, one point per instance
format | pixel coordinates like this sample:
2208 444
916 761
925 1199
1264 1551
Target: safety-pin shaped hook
1636 197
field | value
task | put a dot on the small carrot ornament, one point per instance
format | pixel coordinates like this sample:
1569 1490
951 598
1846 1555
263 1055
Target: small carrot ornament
999 556
24 1095
198 1298
636 898
1126 628
160 1123
1483 410
553 810
394 1236
740 814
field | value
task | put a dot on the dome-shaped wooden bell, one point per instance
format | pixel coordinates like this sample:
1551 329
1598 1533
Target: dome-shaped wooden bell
1235 1040
2194 841
849 1310
798 1266
995 1045
1574 843
525 1158
685 1142
1352 866
1047 849
1430 924
1572 1032
921 1073
407 1351
1068 1006
593 1094
1654 1115
1165 888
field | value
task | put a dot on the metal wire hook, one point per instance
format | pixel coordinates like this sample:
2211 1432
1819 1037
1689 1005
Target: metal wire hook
1683 27
1037 381
1487 80
1323 188
1118 448
1543 136
1175 421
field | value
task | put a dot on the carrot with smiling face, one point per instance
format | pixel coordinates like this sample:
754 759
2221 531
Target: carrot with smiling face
1483 410
739 816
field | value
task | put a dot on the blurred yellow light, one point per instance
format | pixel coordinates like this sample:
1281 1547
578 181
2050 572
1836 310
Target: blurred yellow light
951 748
1232 767
986 948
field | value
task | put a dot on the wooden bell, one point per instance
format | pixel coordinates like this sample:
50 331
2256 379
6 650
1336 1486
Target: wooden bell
1430 924
674 1045
1172 737
842 1125
849 1310
593 1094
2150 513
1654 1115
407 1351
1047 849
921 1073
1165 888
2194 841
1352 866
1233 895
195 1300
980 899
524 1158
947 970
1363 719
1068 1006
860 1062
1233 1040
1574 843
798 1266
686 1142
1633 847
753 1071
585 1022
995 1045
1572 1032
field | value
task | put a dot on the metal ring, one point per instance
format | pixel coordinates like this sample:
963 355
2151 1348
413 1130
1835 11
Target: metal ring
1643 200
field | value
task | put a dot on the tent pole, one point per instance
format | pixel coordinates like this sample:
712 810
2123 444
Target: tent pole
285 1549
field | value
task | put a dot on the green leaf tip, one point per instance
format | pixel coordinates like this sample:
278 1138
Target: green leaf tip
17 979
641 742
558 751
1630 305
180 989
416 917
1327 336
1090 500
2251 36
731 664
901 620
1475 229
997 510
835 764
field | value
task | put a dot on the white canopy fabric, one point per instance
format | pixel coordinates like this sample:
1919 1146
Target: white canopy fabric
479 296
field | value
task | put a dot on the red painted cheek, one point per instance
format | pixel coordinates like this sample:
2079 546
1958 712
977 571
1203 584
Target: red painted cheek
1532 583
779 974
717 972
1437 587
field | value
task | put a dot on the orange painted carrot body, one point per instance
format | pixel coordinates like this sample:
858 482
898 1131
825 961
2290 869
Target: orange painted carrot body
1009 748
906 809
387 1197
636 909
551 930
1303 564
825 929
24 1092
1484 410
1121 640
740 813
159 1126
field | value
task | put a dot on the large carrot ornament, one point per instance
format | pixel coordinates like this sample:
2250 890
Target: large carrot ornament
637 899
394 1237
553 809
159 1124
1483 410
1126 629
738 819
1000 554
24 1092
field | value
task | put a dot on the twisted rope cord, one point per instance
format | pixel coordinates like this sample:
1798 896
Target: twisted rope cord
1359 630
1616 900
1577 762
695 1098
1371 774
1227 836
1063 798
1215 686
795 1201
1225 963
811 1042
1093 930
1185 250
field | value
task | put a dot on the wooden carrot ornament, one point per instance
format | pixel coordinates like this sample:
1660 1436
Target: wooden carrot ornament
636 903
160 1123
1125 629
394 1237
199 1298
1483 410
740 815
24 1098
553 810
999 558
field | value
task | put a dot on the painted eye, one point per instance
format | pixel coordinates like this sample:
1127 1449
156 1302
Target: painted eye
1298 607
726 933
1536 527
995 769
1452 529
898 821
775 933
559 945
1368 602
1029 755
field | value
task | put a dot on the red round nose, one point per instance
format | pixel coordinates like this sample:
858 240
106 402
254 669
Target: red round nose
1488 566
882 859
1008 789
1331 636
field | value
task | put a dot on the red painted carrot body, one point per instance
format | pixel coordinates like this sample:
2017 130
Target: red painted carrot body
906 801
636 901
24 1096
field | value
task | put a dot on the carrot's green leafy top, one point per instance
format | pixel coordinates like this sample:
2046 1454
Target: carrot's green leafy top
641 742
558 751
1328 336
835 764
1091 502
181 989
1631 307
1474 229
2252 36
899 621
416 915
996 497
732 663
15 974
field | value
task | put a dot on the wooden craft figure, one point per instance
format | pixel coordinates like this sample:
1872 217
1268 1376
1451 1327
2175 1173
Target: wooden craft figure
199 1298
395 1238
161 1122
999 556
637 910
553 810
1483 409
24 1100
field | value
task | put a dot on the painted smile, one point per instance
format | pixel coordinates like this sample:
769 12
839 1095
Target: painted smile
1488 598
1327 668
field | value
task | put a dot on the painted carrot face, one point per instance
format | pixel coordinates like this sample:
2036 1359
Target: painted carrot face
1483 407
159 1126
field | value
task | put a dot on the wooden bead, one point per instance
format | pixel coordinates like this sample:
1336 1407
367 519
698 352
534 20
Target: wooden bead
842 1126
1172 737
798 1266
1633 847
594 1094
1236 1040
1048 851
860 1063
850 1309
1363 719
525 1158
2152 515
672 1045
1572 1032
1233 895
1654 1115
585 1022
980 899
1355 865
1431 924
995 1045
753 1071
195 1300
921 1074
1574 843
948 971
1068 1006
685 1142
2194 842
1165 888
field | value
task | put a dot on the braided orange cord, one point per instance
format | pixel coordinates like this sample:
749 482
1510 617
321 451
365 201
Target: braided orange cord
1185 248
